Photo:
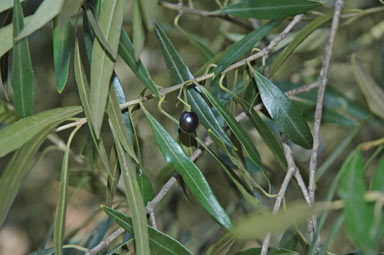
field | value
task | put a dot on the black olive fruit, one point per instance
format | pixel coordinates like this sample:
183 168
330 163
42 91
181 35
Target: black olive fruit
188 121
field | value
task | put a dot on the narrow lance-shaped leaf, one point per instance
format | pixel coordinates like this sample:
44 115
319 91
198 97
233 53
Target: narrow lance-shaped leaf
286 116
148 9
127 53
358 214
116 123
138 29
22 79
235 127
62 50
192 176
179 73
110 22
6 4
58 233
160 243
134 198
15 135
372 92
243 46
6 37
17 168
45 13
271 9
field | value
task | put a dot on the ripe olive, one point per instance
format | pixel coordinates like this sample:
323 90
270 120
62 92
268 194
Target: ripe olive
188 121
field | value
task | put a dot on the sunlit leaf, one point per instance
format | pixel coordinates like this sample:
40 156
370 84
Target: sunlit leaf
127 53
22 78
372 92
110 22
243 46
160 243
271 9
15 171
6 4
286 116
47 10
58 233
15 135
192 176
62 49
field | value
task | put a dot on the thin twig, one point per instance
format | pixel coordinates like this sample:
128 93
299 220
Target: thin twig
323 79
164 190
280 196
203 13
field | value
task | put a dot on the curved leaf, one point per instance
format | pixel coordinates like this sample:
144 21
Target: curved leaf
180 73
235 127
62 49
110 22
271 9
244 45
127 53
138 29
286 116
20 132
22 79
46 12
192 176
160 243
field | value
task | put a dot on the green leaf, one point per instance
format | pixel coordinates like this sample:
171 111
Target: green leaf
358 214
266 134
176 67
271 251
378 179
117 124
205 53
58 232
17 134
110 23
271 9
256 226
286 116
6 4
235 127
7 114
138 29
148 9
192 176
18 166
127 53
62 49
145 185
382 62
205 114
372 92
45 13
134 198
179 73
22 79
69 8
6 36
297 40
243 46
223 246
160 243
